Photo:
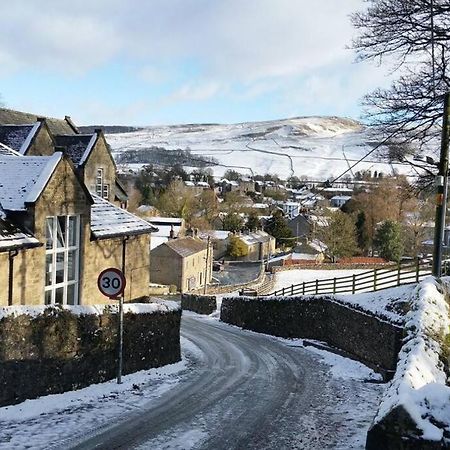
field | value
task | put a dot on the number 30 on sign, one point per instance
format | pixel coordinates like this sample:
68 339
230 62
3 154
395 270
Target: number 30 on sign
111 282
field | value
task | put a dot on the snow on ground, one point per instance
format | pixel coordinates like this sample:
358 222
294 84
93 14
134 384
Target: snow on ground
301 146
286 278
37 423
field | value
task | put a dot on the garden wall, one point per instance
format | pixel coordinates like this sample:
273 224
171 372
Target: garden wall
46 350
364 336
200 304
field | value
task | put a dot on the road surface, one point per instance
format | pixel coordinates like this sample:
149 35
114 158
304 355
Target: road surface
244 391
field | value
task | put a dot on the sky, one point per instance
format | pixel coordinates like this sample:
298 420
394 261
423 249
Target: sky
154 62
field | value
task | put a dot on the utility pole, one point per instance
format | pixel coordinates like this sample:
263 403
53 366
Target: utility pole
441 196
207 265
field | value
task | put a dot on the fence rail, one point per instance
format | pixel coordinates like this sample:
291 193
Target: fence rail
368 281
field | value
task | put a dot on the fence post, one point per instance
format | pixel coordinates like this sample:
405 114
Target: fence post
417 270
303 288
354 284
375 279
398 273
282 293
317 287
292 289
334 285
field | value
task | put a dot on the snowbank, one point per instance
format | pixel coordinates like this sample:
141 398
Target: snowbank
415 407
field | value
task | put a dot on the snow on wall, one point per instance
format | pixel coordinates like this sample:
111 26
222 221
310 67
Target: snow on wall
78 310
419 382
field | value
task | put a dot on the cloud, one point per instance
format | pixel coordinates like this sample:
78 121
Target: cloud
231 39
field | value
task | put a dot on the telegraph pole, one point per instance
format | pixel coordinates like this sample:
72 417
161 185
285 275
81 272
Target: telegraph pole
441 196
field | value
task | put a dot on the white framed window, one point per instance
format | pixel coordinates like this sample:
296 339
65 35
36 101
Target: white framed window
62 255
99 182
105 193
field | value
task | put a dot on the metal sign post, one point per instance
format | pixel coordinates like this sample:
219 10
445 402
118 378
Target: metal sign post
111 283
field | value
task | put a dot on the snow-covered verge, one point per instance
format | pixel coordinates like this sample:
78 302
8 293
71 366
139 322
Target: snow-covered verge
415 411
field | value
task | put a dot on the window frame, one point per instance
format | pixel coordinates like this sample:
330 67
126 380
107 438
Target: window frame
56 249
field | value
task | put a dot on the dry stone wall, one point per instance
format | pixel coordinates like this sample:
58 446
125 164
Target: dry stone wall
366 337
58 349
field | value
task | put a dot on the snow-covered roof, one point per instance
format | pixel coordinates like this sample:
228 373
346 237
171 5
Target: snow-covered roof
255 237
186 246
11 237
202 184
23 179
260 205
107 221
189 183
175 221
8 151
342 198
77 146
214 234
18 137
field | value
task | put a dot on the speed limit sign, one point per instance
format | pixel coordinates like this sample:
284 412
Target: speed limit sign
111 282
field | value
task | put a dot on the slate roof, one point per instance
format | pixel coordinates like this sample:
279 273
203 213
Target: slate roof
108 221
56 126
76 146
186 246
18 137
23 178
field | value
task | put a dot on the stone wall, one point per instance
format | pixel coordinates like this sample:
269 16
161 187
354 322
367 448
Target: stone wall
362 335
201 304
46 350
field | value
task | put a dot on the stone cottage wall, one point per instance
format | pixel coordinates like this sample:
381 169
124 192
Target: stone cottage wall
362 335
52 350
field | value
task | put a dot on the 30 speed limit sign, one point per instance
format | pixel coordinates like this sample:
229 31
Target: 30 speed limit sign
111 282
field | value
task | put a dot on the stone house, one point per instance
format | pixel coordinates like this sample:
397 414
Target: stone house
56 234
259 245
184 262
31 135
219 240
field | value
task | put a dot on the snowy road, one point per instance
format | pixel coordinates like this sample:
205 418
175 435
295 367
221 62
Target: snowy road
245 390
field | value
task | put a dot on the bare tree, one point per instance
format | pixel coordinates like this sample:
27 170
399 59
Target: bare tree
414 38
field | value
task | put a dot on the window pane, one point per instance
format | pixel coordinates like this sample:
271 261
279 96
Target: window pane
61 233
72 231
59 295
48 297
48 269
59 268
71 289
71 265
49 233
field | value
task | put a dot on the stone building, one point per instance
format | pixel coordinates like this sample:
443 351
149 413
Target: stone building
259 245
184 262
56 233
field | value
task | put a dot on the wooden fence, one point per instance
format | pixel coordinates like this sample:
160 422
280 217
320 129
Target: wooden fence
368 281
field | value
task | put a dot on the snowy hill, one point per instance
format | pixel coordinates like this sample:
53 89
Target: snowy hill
315 147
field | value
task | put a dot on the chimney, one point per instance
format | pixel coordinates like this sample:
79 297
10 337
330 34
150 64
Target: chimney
189 232
98 130
41 119
171 233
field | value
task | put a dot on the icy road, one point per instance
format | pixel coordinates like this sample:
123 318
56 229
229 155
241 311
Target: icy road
243 390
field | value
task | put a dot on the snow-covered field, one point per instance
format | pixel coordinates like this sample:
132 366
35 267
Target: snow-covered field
316 147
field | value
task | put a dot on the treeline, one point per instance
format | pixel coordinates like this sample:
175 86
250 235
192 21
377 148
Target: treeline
164 157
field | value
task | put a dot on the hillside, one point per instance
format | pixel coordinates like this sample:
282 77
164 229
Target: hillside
316 147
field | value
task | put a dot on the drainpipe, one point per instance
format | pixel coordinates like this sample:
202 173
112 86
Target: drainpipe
124 252
11 255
